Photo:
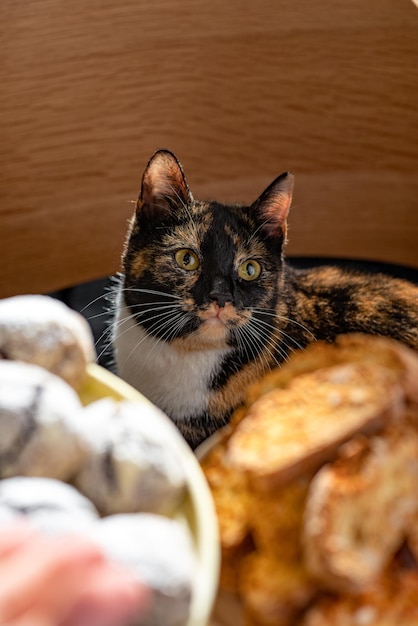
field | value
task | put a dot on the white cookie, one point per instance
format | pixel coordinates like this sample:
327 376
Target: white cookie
44 331
160 552
131 462
37 410
50 505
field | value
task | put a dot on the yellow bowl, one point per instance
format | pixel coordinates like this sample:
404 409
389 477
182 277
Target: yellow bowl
197 510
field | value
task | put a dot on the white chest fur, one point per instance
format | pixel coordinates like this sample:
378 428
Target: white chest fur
175 381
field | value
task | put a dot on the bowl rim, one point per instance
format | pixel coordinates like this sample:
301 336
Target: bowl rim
200 510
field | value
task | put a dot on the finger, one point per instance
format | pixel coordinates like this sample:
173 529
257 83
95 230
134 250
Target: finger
13 536
30 570
32 618
110 595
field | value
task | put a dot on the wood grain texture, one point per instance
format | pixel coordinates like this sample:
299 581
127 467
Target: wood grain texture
240 91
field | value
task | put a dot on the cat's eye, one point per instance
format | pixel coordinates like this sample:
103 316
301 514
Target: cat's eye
249 270
187 259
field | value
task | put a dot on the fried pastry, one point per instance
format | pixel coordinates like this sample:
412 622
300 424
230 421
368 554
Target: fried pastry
288 432
231 499
276 518
392 601
352 348
274 591
359 508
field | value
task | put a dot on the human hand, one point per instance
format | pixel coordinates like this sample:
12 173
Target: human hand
63 581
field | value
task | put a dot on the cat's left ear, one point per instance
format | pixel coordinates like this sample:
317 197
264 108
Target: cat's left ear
164 187
272 207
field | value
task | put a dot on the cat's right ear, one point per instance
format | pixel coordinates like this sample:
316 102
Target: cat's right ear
164 188
272 207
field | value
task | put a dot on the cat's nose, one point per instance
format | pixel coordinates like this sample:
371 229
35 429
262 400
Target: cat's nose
220 297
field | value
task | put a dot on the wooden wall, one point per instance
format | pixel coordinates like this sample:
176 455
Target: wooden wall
240 90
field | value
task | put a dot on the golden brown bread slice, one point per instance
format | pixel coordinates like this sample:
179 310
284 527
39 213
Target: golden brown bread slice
351 348
391 602
274 591
412 538
276 519
288 432
321 399
359 509
231 500
411 417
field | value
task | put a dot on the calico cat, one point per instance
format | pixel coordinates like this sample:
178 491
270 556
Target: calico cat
207 302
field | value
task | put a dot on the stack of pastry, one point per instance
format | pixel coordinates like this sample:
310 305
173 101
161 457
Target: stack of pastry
112 470
314 482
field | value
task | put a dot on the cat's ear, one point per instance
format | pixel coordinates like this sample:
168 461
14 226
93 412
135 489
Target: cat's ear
272 207
164 187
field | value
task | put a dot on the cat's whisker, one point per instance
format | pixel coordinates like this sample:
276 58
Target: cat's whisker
165 319
279 334
186 208
271 336
104 296
267 336
240 343
108 296
258 229
246 347
158 318
173 326
107 335
152 303
89 318
133 316
137 314
269 330
104 336
105 347
284 319
161 326
120 322
177 324
253 336
302 326
154 292
142 314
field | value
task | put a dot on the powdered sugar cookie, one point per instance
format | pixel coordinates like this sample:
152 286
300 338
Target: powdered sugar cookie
131 462
50 505
44 331
37 436
160 553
